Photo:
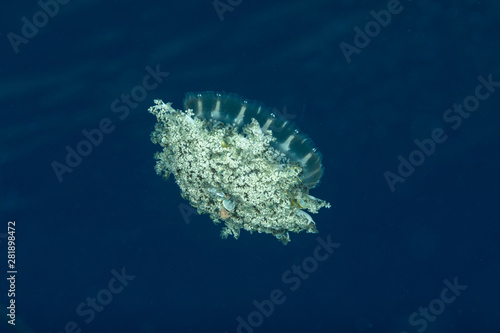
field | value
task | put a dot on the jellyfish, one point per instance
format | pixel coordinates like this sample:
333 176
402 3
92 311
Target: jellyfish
236 161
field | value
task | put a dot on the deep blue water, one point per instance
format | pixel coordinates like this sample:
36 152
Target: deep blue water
417 253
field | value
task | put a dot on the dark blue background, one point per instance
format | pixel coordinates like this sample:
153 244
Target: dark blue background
113 211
